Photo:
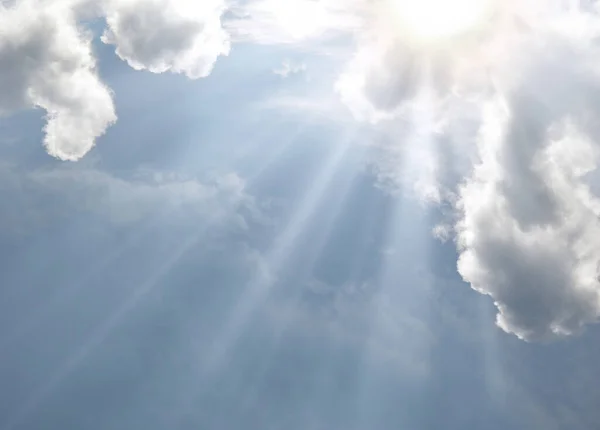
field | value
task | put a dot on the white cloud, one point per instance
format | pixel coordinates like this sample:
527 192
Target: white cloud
528 223
181 36
529 231
46 62
46 58
442 232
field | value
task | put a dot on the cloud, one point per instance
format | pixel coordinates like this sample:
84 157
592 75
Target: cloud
288 68
181 36
46 58
529 230
519 97
392 67
529 227
45 196
46 62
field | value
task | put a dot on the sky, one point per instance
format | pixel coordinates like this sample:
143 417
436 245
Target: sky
300 214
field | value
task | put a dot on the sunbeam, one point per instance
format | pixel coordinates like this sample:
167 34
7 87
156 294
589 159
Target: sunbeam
496 380
67 293
96 338
300 215
398 312
304 267
258 289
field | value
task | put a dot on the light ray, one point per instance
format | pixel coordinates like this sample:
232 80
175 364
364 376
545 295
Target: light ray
68 292
259 288
308 267
399 312
102 332
280 251
271 158
495 378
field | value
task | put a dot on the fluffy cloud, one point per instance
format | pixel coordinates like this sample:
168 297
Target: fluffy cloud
528 233
46 58
529 230
46 62
527 222
181 36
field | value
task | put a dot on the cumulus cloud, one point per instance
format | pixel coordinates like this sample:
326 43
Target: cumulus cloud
528 234
519 96
46 62
181 36
529 231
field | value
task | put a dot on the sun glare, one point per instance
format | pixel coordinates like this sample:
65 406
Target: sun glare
439 19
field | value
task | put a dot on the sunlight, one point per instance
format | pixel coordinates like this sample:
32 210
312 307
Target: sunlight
101 332
438 19
399 322
259 288
332 205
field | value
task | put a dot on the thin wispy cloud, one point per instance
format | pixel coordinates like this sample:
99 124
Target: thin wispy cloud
290 68
124 201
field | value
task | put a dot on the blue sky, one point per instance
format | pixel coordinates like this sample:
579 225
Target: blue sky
312 215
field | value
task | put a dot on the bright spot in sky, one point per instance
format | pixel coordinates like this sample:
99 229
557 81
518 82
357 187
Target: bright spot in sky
438 19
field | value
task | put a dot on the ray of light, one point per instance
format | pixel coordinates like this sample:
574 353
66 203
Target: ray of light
258 290
393 340
101 332
495 379
68 292
271 156
327 220
399 311
280 251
